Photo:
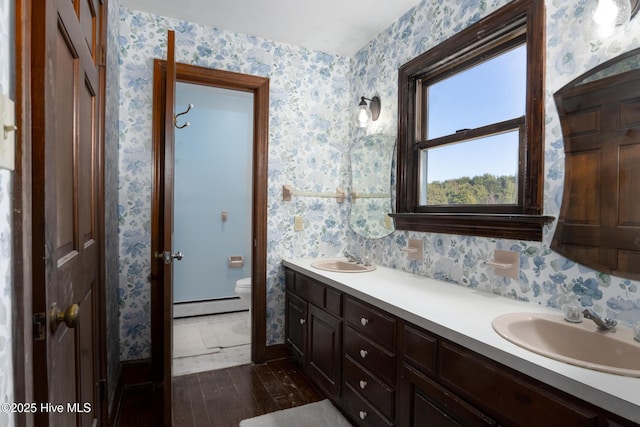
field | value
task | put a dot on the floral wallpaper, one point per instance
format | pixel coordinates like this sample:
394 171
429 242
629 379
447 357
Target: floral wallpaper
6 189
111 201
312 96
308 146
546 278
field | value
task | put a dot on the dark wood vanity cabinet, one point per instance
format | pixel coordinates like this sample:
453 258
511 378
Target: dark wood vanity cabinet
422 402
295 326
324 349
421 399
383 371
369 364
512 398
313 330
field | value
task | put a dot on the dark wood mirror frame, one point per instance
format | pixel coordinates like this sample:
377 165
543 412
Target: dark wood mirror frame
599 223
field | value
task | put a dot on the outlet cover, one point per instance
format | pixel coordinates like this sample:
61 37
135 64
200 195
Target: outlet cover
415 249
506 263
298 223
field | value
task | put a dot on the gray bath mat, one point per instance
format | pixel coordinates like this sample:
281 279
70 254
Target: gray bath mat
318 414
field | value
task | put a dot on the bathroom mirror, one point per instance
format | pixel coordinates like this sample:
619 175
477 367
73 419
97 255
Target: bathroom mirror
371 158
599 223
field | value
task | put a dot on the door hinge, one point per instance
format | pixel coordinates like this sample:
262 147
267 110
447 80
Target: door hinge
39 326
102 58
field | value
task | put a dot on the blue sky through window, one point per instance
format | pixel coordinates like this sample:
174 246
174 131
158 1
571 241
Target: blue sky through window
487 93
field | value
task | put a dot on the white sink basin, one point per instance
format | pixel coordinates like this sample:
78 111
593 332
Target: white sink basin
581 344
341 266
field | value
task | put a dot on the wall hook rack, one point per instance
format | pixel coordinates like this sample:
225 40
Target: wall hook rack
175 119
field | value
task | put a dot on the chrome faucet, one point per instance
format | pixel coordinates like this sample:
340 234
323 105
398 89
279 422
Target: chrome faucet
351 257
605 324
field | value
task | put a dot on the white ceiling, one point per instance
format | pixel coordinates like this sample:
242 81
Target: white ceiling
334 26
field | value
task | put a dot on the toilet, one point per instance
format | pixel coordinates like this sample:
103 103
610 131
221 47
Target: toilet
243 290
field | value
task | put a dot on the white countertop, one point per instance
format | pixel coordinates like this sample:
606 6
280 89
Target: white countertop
464 315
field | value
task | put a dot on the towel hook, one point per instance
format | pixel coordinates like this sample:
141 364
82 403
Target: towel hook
175 119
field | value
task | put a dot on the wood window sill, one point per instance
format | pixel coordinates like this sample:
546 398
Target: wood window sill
503 226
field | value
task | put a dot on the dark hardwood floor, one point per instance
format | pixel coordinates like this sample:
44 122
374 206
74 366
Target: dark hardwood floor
224 397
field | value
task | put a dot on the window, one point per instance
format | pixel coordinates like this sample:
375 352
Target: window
471 134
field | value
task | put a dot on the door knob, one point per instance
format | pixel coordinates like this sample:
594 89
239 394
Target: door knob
68 317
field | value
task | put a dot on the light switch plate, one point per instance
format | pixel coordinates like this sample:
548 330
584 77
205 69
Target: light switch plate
298 223
7 133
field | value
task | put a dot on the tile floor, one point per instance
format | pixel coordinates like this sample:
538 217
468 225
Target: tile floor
203 343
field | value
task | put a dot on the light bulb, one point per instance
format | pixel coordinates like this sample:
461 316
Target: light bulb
363 116
611 15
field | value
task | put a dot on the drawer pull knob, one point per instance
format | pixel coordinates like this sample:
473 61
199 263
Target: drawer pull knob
363 353
363 415
363 384
302 321
364 321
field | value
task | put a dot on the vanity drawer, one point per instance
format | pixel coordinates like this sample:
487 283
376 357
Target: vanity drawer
334 302
421 349
310 290
361 411
370 355
375 391
289 279
371 322
506 396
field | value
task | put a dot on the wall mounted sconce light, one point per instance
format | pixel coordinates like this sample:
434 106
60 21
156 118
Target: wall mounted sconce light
610 15
367 113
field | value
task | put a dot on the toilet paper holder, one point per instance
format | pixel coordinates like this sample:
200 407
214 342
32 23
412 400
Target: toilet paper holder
236 261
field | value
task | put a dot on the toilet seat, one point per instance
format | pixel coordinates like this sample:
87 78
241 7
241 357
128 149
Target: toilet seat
244 283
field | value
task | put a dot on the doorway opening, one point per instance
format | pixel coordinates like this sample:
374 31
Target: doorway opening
162 303
213 147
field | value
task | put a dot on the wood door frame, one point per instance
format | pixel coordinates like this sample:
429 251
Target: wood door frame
25 383
160 305
22 312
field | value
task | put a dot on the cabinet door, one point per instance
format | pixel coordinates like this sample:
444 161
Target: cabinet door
510 397
295 326
422 402
325 349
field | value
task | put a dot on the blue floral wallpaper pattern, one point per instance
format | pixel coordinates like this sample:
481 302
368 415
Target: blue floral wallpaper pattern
111 201
308 149
546 278
312 96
